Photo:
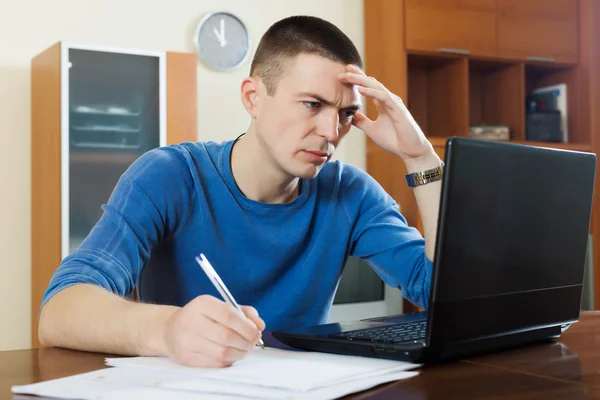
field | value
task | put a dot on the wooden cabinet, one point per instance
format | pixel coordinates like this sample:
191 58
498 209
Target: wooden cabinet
437 94
472 4
505 50
495 89
94 111
538 30
451 26
542 30
540 8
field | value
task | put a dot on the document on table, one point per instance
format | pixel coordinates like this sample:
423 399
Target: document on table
269 374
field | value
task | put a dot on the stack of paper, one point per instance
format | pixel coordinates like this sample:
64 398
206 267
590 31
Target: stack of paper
264 374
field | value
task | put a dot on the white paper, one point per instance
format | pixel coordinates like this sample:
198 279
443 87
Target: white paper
129 383
276 368
73 387
88 387
269 374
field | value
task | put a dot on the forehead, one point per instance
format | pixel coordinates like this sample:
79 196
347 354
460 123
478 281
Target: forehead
316 74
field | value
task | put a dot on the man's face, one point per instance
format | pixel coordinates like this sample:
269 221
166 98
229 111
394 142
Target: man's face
312 110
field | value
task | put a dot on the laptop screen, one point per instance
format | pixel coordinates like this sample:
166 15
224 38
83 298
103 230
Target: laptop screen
512 239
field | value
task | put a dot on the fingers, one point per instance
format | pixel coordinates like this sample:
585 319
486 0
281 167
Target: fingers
224 336
208 332
374 93
199 360
361 121
355 76
370 87
225 314
254 317
222 353
355 69
202 352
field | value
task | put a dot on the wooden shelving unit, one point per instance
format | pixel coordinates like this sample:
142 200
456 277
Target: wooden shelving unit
457 63
449 93
438 93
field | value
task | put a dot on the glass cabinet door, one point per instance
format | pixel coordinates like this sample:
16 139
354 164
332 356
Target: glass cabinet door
114 112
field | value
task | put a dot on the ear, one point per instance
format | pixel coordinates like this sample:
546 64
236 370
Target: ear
250 95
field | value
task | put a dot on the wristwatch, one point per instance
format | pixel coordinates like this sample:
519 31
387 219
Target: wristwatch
423 177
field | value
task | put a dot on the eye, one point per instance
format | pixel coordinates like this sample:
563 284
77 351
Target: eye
312 104
349 114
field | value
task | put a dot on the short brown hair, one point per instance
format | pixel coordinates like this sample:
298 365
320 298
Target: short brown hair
296 35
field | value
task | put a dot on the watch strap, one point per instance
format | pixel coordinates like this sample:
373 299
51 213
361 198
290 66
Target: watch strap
422 177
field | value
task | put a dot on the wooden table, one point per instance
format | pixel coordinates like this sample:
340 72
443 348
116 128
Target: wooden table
568 368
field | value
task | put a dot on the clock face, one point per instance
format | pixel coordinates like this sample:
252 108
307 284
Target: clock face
222 41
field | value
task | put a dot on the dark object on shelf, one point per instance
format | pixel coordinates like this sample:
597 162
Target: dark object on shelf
543 126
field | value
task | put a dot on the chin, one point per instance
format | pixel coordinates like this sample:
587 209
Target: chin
309 173
309 176
304 171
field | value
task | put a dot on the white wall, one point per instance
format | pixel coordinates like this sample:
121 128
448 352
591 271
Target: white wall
28 27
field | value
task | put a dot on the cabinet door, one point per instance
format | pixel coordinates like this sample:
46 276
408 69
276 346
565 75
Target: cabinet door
115 112
474 4
453 26
538 29
566 9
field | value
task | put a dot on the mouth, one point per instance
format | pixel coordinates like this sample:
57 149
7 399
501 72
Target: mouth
319 153
316 155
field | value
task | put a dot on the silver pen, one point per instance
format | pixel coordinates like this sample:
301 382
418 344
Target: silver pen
220 286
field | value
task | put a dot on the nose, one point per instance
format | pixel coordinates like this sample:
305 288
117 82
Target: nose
329 126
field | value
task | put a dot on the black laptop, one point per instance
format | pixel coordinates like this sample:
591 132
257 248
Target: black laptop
509 260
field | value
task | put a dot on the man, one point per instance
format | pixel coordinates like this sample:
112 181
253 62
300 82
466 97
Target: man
272 214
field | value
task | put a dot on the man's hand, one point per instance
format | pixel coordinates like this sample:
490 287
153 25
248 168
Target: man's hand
208 332
394 130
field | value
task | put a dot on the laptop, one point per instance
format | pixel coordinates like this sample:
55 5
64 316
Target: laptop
509 261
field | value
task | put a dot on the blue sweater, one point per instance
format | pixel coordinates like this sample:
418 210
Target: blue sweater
284 259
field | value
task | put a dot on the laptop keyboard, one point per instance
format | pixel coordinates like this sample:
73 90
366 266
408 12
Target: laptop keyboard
390 334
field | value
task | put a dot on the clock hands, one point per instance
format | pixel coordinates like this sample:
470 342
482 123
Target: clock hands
221 34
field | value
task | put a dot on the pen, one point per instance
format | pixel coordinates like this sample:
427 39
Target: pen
220 286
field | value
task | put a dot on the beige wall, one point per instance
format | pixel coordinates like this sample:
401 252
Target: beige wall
28 27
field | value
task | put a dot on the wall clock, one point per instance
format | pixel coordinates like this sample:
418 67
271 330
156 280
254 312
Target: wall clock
222 41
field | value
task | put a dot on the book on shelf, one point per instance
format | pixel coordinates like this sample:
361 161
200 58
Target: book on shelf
548 99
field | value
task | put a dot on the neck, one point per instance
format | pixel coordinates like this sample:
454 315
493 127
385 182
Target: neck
256 173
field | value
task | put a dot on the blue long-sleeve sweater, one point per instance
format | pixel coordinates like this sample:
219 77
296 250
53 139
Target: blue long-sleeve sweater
284 259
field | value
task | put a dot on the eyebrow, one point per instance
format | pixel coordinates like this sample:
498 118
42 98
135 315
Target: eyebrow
353 107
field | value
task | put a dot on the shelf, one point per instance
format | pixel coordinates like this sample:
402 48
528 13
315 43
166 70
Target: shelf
451 92
121 158
112 111
107 128
437 93
423 58
441 142
495 60
537 76
494 90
